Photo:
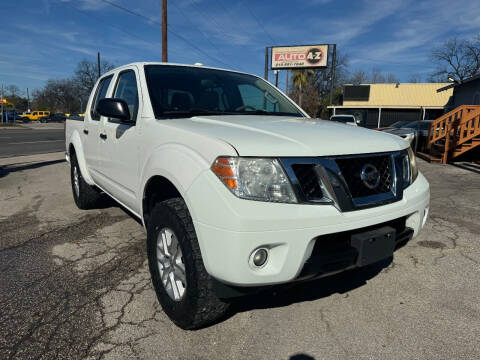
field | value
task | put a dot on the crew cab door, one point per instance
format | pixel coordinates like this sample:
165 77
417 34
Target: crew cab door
91 130
119 142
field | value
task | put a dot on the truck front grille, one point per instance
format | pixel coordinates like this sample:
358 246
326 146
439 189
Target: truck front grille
338 180
308 180
351 169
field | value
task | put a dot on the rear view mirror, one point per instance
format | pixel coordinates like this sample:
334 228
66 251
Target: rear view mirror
114 108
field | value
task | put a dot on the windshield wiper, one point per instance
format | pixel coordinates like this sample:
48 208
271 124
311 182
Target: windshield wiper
265 112
191 113
199 112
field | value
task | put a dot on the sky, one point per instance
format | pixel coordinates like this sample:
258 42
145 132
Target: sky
45 39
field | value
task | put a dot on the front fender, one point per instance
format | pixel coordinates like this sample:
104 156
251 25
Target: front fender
179 164
77 144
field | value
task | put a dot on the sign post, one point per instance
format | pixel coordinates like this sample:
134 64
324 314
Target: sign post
332 77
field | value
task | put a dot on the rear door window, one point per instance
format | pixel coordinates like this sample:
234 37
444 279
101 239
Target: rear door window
100 94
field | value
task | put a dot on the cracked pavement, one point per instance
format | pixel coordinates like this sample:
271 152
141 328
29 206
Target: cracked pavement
75 284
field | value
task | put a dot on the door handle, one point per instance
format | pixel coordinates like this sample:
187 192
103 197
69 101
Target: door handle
85 131
103 136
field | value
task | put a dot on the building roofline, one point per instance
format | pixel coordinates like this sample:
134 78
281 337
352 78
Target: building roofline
456 83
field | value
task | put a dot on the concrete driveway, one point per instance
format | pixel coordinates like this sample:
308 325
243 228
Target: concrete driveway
74 284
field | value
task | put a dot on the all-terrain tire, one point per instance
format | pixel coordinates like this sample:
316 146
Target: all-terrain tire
86 196
199 305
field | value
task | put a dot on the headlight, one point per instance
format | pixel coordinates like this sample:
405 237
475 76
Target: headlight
254 178
410 170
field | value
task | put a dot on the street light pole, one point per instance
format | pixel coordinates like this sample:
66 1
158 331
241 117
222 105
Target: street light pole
98 64
164 31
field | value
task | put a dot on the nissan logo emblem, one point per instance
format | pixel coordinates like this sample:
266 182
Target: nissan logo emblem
370 176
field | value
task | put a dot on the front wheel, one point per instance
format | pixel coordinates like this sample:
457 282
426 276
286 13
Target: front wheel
183 286
85 196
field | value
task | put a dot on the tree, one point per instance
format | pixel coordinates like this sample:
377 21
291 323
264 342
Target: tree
58 95
415 78
300 79
315 92
12 90
359 77
391 79
309 98
377 77
86 76
456 59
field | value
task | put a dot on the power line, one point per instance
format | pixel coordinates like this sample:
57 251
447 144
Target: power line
153 21
191 22
258 22
102 21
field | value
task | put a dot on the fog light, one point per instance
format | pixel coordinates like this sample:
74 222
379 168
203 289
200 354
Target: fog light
260 257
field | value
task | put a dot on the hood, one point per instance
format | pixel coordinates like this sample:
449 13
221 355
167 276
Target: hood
257 135
401 131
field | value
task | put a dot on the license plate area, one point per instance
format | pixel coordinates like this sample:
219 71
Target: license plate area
374 245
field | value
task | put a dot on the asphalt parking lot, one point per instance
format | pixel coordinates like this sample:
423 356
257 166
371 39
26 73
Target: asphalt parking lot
74 284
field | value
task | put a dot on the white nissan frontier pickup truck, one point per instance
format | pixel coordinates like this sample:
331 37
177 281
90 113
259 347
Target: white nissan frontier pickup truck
237 187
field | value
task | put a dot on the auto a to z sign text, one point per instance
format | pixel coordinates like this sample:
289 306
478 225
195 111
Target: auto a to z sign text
297 57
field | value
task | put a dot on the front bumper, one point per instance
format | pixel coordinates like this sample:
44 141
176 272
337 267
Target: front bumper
229 229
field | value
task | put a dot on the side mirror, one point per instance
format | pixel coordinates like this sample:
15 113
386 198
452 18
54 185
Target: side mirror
114 108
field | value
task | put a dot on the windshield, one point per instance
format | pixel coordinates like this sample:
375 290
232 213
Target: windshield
343 119
182 91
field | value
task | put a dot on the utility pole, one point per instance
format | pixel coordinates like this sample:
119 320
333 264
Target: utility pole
332 76
164 32
98 64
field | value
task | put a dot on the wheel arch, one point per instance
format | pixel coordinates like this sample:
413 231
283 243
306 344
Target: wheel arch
75 147
157 188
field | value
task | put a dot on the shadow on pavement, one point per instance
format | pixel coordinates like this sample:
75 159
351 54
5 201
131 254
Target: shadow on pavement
284 295
475 168
301 357
6 169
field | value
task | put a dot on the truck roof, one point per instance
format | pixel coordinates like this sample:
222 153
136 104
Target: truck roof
143 63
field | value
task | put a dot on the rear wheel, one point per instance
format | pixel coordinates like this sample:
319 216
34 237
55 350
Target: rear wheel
85 196
183 286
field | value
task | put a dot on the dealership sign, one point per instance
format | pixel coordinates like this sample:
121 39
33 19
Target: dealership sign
295 57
